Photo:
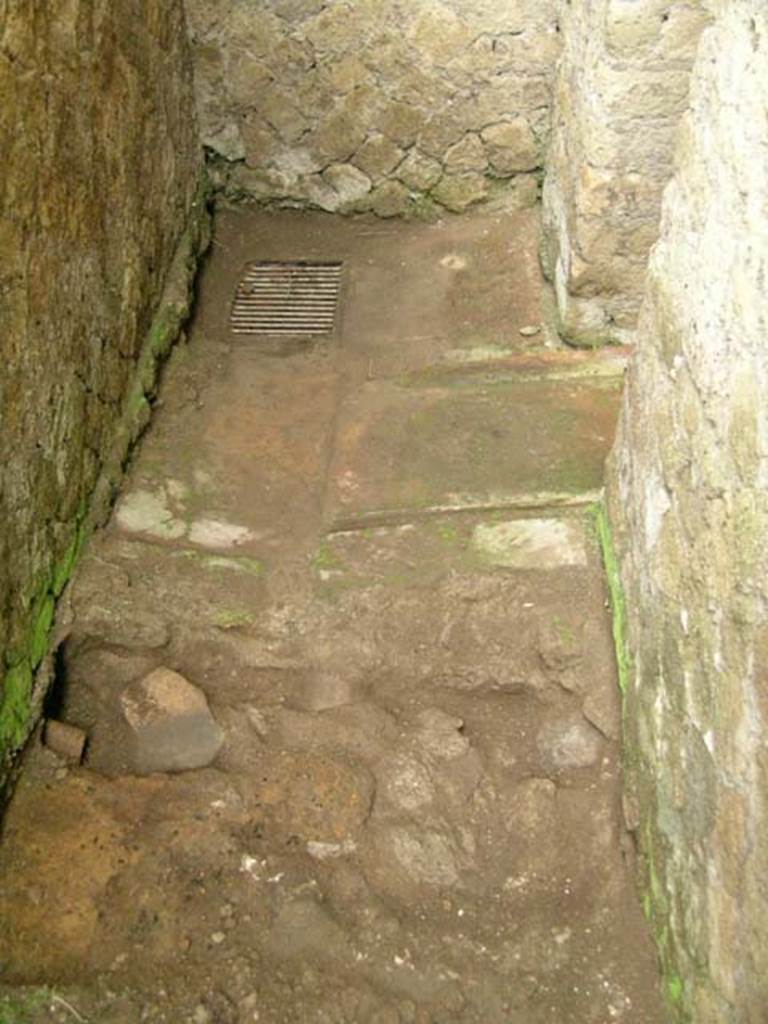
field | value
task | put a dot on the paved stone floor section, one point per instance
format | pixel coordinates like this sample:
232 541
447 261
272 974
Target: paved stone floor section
374 557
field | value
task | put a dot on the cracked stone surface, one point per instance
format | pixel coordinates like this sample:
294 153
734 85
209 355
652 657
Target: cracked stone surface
414 814
459 93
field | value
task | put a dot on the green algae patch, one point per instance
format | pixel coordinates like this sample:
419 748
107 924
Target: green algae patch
224 563
421 206
675 989
232 618
138 403
656 909
23 1007
655 898
325 559
165 330
66 565
589 341
41 628
616 593
16 700
448 533
16 705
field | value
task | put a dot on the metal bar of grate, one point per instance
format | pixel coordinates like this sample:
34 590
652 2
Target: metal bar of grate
287 298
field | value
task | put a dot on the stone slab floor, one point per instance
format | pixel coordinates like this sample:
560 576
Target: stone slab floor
374 557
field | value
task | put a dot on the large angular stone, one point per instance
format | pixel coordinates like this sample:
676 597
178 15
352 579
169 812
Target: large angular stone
457 192
390 199
467 155
320 193
378 155
402 123
445 128
259 142
225 140
419 171
512 146
348 182
348 74
438 31
171 725
245 80
337 139
277 107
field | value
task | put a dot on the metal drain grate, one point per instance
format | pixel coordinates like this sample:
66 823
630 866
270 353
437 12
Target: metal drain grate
287 298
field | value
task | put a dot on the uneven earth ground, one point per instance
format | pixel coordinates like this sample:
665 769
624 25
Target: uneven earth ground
372 556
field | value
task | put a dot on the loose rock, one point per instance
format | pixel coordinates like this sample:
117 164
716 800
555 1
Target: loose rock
171 724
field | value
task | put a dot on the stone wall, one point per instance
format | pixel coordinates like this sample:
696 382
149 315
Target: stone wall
622 87
390 105
689 501
99 194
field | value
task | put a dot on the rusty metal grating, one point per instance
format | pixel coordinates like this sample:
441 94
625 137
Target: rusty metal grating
287 298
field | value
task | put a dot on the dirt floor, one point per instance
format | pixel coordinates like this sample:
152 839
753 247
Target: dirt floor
374 556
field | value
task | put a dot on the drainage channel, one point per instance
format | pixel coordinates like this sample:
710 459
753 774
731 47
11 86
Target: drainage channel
291 298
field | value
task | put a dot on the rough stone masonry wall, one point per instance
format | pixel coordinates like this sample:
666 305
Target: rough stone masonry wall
689 499
98 196
390 105
622 87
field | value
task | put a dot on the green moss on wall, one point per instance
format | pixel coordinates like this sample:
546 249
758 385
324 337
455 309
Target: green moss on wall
653 890
42 622
64 569
25 1005
656 908
616 593
15 706
20 699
